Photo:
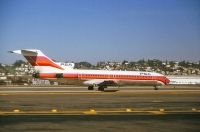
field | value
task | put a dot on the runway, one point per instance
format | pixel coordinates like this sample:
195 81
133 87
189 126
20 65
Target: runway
75 89
79 98
123 109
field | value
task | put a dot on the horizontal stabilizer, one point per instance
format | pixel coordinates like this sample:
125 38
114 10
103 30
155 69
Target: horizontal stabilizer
15 51
28 52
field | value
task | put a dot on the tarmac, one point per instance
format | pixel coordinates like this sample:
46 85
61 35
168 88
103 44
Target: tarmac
116 109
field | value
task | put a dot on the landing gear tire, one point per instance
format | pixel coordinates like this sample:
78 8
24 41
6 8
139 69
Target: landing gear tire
155 88
101 88
90 87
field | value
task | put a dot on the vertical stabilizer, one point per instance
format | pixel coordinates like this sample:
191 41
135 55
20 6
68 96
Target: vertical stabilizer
37 58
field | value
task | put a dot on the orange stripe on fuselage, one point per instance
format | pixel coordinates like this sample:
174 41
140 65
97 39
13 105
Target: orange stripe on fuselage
125 77
47 75
41 61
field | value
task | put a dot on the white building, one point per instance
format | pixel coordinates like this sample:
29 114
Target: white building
39 82
185 80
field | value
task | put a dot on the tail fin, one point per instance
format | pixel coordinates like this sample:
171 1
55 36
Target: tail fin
37 58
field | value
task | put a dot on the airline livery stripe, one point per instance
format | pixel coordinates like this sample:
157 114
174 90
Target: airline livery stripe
41 61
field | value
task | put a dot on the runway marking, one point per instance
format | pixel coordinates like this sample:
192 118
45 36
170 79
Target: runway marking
97 112
16 110
90 112
194 109
54 110
157 112
128 110
162 110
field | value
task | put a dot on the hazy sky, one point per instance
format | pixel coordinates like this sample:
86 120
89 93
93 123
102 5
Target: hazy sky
99 30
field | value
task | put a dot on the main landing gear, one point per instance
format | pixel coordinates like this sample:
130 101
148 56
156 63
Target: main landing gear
90 87
155 87
100 88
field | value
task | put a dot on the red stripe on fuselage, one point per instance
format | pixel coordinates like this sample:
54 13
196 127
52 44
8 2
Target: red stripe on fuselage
124 77
41 61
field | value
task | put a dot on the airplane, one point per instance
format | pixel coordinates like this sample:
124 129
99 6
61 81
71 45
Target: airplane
46 68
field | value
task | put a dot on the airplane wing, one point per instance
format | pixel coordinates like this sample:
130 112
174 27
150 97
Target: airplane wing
100 82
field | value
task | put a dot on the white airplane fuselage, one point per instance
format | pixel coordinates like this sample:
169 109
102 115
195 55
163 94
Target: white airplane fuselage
120 77
48 69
